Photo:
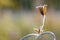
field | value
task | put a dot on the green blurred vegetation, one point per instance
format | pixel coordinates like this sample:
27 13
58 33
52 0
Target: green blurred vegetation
16 4
9 4
26 4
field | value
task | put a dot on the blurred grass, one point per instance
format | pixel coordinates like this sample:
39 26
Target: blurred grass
14 30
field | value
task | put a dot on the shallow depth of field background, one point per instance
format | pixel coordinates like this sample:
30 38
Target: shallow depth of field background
19 17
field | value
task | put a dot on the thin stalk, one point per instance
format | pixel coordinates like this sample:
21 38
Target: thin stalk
43 21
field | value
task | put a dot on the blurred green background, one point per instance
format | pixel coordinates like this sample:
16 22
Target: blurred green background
19 17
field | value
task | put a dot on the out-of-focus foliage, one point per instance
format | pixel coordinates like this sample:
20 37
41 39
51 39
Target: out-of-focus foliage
25 4
54 3
9 4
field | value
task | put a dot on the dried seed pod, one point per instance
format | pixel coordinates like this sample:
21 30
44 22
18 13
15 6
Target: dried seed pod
42 9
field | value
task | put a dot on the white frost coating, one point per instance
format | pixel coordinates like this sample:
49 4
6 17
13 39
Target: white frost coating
41 6
38 6
39 35
50 33
29 35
